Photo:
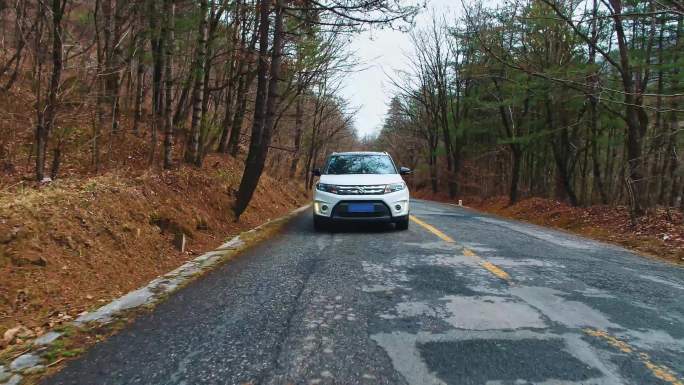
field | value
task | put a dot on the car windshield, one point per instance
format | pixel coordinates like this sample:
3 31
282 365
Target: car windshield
360 164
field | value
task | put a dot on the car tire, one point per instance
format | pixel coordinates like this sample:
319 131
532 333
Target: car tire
319 224
403 224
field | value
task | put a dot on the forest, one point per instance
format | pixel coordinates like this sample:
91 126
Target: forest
573 100
577 101
96 86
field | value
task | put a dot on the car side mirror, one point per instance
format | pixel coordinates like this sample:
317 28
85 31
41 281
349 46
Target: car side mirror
405 171
317 172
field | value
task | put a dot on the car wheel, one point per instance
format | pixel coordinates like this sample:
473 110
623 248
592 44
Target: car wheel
319 224
403 224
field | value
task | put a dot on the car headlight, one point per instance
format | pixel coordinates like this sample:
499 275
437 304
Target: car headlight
394 187
331 188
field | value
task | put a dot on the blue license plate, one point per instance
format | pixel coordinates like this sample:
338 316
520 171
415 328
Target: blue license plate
360 208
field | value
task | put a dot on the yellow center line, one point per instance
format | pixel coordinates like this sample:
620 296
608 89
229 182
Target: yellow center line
616 343
433 230
659 371
492 268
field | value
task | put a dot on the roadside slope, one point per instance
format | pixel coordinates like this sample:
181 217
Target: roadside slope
78 243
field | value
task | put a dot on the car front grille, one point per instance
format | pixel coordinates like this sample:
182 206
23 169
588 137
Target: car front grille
380 209
361 190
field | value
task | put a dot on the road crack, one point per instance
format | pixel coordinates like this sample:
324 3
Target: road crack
277 366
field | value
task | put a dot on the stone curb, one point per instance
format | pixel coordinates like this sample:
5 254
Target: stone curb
32 362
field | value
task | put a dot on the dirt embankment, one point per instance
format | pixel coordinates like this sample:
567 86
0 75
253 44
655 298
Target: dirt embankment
659 234
76 244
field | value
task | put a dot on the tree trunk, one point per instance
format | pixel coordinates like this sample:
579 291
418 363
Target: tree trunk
43 131
192 155
169 39
560 145
596 167
299 121
139 82
205 142
433 172
112 54
239 115
180 115
226 124
451 183
516 154
593 108
313 146
116 66
16 60
670 180
314 159
261 137
56 161
157 58
227 119
235 65
634 124
245 82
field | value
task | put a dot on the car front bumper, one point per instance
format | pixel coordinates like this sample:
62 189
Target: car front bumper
392 207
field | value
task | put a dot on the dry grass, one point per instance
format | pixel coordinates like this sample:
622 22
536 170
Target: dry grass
98 232
78 243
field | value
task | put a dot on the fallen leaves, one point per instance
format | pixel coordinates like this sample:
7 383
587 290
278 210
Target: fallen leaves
17 334
659 233
73 245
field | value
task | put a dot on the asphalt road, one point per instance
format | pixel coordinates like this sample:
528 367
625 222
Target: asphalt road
460 298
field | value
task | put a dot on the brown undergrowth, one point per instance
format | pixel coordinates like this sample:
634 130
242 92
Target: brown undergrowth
77 243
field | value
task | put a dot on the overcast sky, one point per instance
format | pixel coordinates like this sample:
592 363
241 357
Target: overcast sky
381 53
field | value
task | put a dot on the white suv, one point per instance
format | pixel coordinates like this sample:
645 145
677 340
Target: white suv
361 187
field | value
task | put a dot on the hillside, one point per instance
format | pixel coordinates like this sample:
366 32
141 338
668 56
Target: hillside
80 242
100 230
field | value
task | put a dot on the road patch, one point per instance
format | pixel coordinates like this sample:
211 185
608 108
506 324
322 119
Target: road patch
569 313
435 279
492 268
485 361
490 313
494 356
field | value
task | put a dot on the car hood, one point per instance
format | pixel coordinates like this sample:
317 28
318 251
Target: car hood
361 179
